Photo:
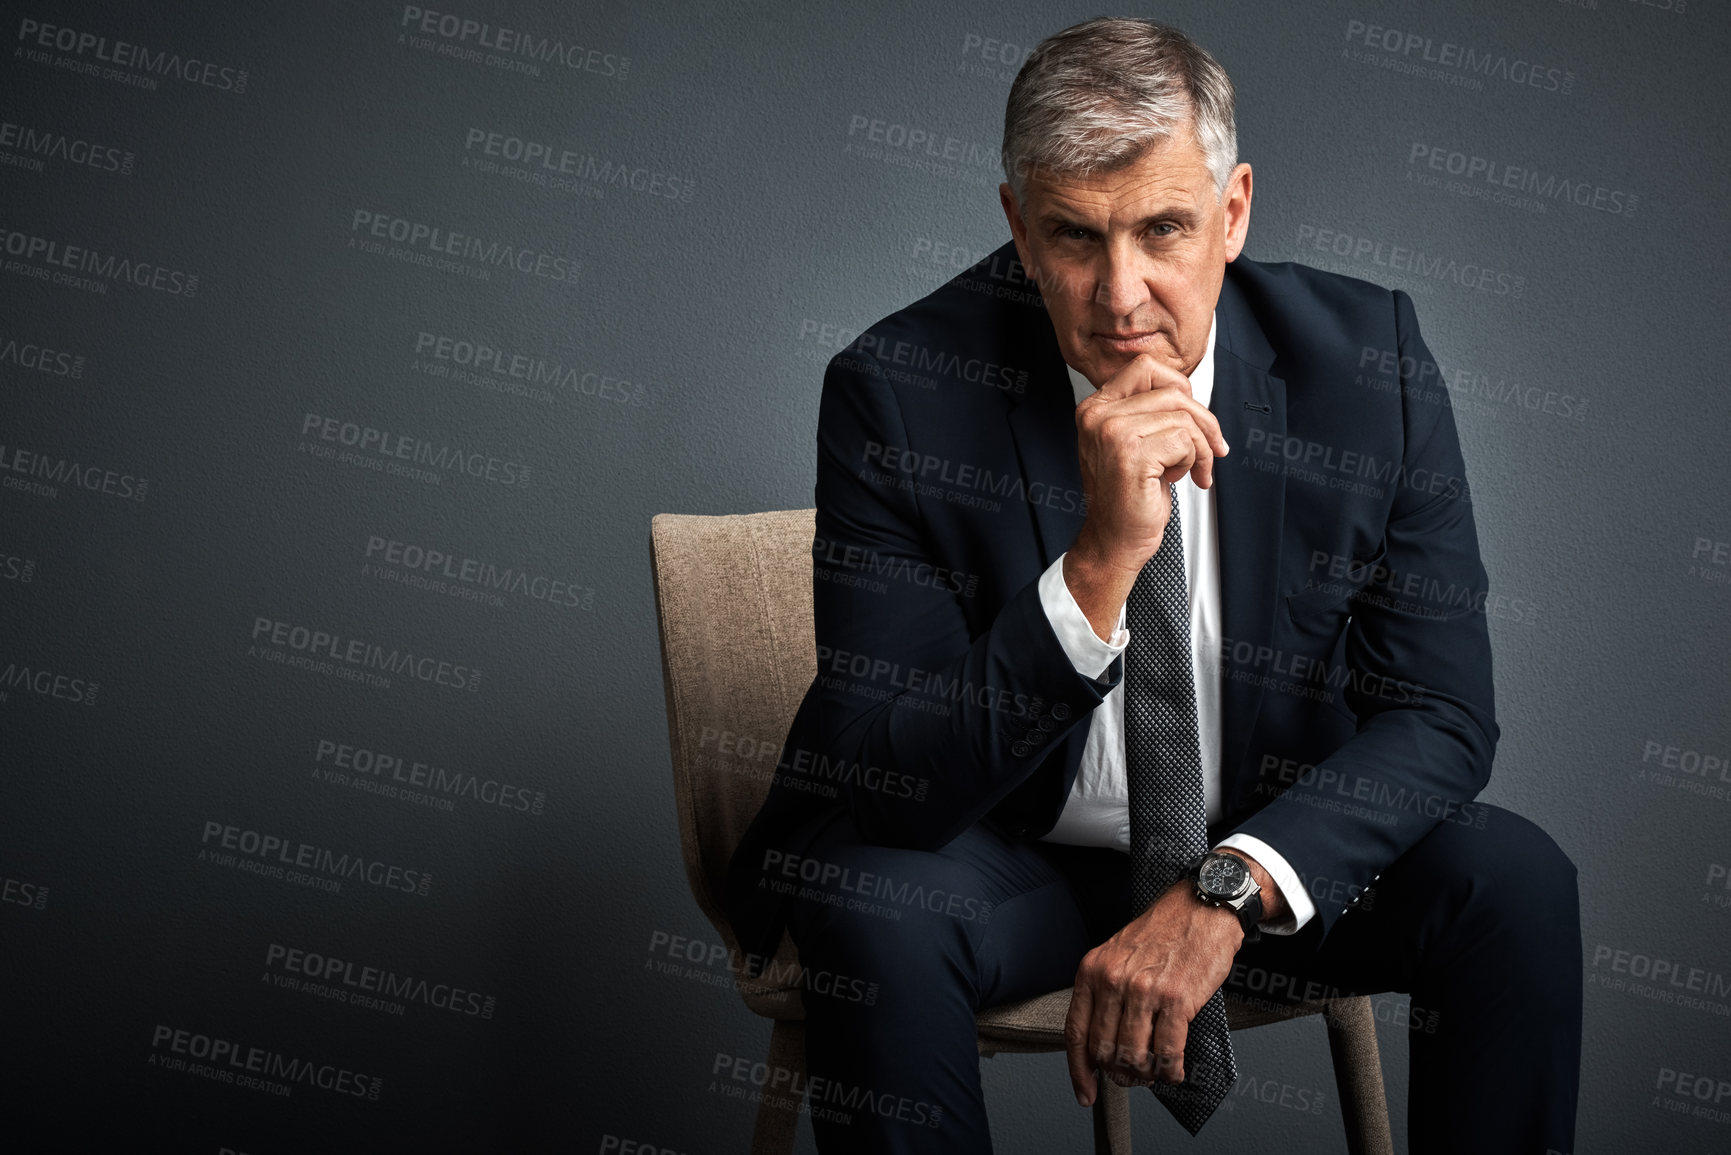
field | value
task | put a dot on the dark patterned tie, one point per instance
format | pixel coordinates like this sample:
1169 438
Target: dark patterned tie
1168 823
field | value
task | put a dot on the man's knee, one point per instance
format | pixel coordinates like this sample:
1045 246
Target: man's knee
1513 873
1527 864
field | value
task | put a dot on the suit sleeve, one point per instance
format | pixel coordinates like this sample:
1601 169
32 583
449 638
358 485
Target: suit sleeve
935 724
1419 672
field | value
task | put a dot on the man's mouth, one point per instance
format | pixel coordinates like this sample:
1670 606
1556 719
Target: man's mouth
1129 343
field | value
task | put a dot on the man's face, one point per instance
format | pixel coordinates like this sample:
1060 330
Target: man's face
1130 261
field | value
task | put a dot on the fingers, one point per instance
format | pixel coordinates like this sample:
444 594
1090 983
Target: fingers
1144 372
1209 425
1166 444
1076 1055
1120 428
1171 1030
1168 400
1103 1026
1136 1027
1201 460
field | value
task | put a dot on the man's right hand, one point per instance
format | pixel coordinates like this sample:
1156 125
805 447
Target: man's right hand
1139 432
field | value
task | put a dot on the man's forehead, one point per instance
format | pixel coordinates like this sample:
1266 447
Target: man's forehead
1169 172
1139 188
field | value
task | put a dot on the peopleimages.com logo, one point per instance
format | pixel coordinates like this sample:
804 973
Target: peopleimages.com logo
258 1068
474 41
94 54
269 854
326 646
345 980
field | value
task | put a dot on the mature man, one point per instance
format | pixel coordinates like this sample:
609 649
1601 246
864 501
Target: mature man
1129 547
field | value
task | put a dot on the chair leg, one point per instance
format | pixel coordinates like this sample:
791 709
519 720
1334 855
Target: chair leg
1111 1118
774 1131
1358 1076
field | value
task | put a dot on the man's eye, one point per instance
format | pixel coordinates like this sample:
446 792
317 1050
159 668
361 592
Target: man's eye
1164 229
1074 234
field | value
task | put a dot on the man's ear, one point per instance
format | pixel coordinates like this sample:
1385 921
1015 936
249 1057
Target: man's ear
1236 203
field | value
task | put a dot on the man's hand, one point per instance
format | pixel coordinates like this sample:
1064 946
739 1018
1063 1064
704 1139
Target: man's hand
1137 992
1138 433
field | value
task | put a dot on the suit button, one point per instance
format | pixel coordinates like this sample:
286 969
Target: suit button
1048 723
1061 711
1020 749
1036 736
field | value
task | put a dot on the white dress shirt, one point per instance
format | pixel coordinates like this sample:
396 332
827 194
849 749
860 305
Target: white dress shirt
1097 813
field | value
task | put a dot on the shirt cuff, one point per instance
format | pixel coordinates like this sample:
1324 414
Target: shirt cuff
1083 646
1300 909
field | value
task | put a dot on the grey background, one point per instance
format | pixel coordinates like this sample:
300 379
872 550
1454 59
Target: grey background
707 307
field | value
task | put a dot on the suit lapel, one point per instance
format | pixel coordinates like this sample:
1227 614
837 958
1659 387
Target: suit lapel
1043 425
1250 405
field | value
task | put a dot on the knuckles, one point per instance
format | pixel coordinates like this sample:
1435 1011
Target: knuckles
1127 1059
1116 974
1145 985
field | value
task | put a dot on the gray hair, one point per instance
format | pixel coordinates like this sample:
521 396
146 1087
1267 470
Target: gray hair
1099 93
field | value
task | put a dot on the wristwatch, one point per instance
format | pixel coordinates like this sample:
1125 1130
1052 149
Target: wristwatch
1224 880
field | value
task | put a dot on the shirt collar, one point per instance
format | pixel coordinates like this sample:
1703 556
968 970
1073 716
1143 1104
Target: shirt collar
1201 378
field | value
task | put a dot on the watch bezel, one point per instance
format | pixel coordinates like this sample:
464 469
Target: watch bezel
1246 882
1239 901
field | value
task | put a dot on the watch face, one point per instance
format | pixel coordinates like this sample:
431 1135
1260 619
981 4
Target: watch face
1223 875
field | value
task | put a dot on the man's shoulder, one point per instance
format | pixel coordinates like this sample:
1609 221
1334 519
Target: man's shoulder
1308 312
995 293
984 329
1290 278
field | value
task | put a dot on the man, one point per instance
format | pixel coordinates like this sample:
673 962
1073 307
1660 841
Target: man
1129 548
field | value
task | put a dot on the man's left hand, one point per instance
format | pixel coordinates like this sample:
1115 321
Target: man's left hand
1136 992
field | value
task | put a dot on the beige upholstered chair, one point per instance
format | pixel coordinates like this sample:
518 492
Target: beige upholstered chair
733 596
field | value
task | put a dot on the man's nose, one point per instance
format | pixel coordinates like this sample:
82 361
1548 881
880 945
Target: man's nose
1119 285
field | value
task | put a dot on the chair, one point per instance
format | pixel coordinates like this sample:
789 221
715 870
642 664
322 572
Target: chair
734 606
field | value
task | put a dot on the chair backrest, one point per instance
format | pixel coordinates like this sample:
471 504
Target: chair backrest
733 599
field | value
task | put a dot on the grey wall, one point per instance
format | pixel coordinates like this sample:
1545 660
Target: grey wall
163 493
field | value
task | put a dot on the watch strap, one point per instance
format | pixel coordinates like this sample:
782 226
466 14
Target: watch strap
1250 915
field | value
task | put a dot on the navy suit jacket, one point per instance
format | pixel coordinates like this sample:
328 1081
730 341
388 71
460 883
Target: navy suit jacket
1356 666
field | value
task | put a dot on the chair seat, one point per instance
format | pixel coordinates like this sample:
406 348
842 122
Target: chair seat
1037 1024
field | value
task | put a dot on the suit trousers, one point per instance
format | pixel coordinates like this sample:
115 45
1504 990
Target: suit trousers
1479 922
